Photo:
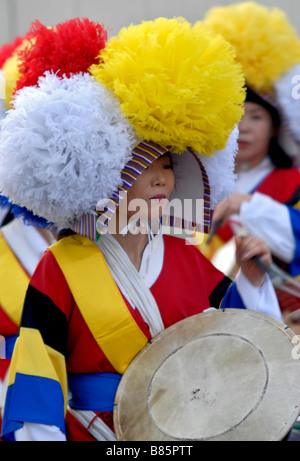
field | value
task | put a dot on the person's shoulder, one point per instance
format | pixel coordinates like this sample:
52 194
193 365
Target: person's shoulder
281 184
292 173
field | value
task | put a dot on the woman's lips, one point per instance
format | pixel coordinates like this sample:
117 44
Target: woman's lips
243 144
158 197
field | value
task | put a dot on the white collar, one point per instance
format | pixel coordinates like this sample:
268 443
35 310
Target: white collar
134 284
249 179
152 258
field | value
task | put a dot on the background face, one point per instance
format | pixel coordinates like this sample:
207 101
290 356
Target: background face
255 132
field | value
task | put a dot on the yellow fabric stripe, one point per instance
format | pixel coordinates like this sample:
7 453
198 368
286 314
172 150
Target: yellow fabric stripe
32 357
99 300
13 283
297 205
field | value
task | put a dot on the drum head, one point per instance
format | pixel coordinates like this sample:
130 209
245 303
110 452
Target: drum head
220 375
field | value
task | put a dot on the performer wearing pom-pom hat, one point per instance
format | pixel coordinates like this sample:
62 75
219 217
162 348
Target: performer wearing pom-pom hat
109 152
21 246
265 202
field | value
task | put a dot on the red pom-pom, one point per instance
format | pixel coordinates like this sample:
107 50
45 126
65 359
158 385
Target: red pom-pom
7 50
68 48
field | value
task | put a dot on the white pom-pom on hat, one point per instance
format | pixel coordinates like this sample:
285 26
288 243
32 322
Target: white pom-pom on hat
63 147
220 170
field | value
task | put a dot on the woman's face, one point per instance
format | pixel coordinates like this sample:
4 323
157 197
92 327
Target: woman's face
152 190
256 130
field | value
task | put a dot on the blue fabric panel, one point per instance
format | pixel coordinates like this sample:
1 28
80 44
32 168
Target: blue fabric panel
93 391
294 266
32 399
9 345
232 299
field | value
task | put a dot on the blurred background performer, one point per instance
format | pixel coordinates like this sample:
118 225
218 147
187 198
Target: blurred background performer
24 237
21 245
266 199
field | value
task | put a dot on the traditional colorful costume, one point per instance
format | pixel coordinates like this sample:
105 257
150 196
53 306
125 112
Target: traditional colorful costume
268 48
88 311
21 247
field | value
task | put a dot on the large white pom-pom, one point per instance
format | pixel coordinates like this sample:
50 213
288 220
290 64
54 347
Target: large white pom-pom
288 97
220 170
62 147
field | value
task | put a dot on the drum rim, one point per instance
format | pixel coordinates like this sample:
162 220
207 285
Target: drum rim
286 331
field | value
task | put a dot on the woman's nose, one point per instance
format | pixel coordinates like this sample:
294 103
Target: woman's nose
158 178
243 125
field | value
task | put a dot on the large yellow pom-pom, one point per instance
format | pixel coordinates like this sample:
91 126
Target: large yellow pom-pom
178 85
266 44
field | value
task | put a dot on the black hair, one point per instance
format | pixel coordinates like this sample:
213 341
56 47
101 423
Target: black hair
168 154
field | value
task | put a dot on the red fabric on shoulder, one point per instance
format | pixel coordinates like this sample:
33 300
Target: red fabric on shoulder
281 184
49 279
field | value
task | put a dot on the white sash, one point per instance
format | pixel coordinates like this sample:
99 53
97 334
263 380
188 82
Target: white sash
131 283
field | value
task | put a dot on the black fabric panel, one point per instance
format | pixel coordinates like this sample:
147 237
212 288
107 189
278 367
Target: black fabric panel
219 292
295 199
41 313
8 218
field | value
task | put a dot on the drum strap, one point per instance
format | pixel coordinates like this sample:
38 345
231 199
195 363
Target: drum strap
14 282
99 300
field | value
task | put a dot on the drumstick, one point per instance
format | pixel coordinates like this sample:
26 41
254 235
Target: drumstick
213 231
279 278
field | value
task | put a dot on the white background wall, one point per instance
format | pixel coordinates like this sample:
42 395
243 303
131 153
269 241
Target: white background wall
16 15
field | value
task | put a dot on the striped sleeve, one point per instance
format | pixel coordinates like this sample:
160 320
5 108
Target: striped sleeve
37 384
